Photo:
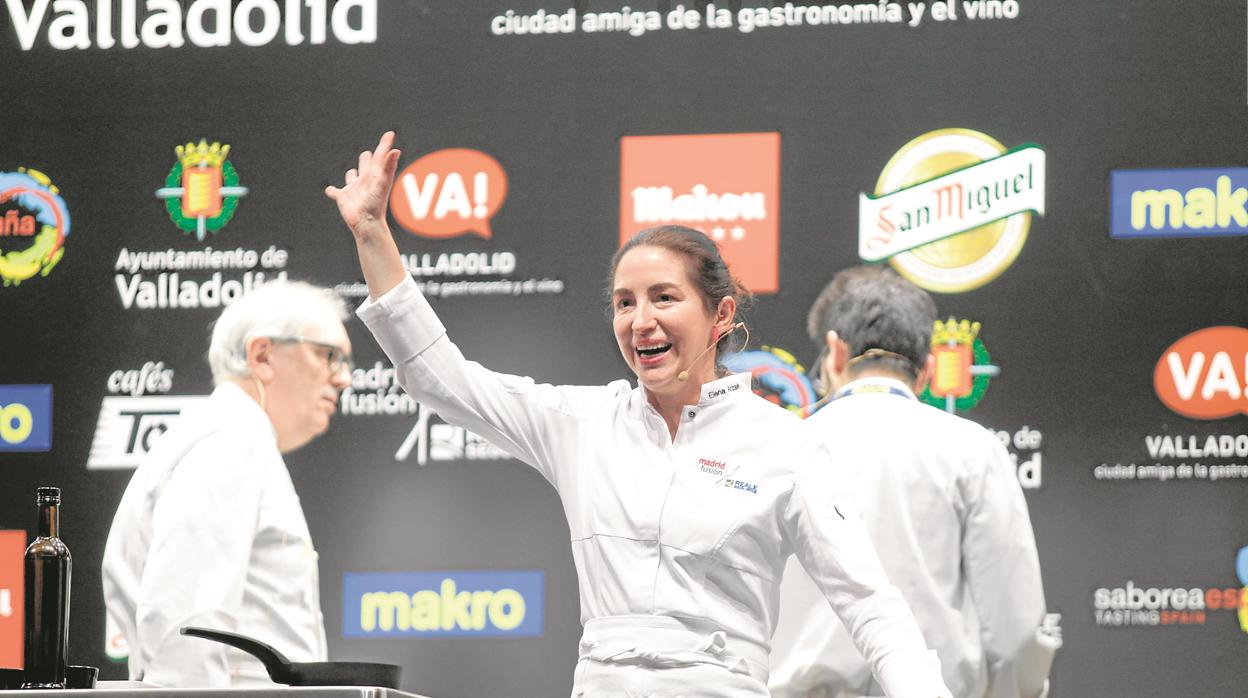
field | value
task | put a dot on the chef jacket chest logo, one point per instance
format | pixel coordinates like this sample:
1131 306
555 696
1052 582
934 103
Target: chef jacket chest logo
721 471
712 467
742 485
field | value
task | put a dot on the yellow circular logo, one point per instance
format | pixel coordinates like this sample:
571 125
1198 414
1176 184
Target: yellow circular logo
969 259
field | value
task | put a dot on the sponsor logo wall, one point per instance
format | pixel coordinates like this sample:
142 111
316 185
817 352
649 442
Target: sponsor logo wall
1084 244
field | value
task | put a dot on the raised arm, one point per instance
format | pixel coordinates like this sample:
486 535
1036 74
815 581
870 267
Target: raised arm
362 204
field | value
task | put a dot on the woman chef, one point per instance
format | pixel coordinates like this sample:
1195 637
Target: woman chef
684 496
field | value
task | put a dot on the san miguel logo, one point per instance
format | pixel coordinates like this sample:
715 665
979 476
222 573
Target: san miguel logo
952 209
963 366
1205 374
34 223
449 192
202 190
727 185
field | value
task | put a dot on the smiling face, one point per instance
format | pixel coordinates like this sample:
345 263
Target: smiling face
302 390
662 322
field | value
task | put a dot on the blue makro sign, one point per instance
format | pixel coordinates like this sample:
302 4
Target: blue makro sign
1192 202
25 417
443 604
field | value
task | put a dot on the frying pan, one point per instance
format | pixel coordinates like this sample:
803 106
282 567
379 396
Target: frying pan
282 670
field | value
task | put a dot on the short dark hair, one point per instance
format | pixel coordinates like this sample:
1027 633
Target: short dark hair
871 307
706 266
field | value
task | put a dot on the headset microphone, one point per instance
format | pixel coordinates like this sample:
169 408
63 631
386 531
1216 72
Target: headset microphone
684 374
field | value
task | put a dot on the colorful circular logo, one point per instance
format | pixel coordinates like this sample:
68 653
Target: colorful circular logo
778 376
969 259
34 223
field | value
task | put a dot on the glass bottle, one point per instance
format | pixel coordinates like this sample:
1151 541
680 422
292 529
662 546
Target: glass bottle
47 598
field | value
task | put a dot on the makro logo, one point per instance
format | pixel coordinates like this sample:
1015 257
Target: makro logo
1204 375
963 366
952 209
25 417
34 223
435 604
449 192
201 192
12 552
1135 605
203 23
777 376
1193 202
726 185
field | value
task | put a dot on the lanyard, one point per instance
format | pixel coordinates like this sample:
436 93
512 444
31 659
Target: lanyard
864 388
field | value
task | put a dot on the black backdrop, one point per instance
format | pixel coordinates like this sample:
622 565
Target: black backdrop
1077 323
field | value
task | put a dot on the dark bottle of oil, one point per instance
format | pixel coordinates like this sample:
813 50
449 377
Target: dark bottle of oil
47 598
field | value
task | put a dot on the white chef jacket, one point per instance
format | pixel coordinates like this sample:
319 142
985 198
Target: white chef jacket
678 544
942 503
210 533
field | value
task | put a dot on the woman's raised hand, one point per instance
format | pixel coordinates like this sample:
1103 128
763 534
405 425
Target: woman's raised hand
362 200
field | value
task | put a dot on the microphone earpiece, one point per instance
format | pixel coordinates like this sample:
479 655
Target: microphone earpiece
684 374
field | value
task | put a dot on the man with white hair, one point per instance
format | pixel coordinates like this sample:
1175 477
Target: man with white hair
210 531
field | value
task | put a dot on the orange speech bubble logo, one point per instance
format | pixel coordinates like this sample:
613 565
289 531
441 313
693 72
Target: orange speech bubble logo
1204 375
449 192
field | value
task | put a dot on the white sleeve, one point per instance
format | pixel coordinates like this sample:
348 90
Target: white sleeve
1003 570
832 544
525 419
203 526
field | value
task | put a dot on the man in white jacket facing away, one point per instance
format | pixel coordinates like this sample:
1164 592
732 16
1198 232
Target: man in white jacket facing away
940 499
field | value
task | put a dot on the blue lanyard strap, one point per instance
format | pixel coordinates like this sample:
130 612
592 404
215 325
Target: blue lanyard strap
865 388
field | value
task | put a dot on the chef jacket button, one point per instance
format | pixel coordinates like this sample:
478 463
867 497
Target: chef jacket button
692 414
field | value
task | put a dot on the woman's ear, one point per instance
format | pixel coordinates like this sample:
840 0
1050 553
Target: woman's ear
725 313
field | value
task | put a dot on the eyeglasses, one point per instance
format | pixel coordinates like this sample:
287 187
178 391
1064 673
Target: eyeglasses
335 356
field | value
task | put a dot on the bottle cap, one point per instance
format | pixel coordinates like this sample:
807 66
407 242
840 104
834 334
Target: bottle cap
48 495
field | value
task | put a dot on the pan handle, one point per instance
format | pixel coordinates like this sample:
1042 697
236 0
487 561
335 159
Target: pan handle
274 662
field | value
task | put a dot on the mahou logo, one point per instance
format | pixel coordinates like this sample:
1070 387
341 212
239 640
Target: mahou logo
449 192
727 185
1205 374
